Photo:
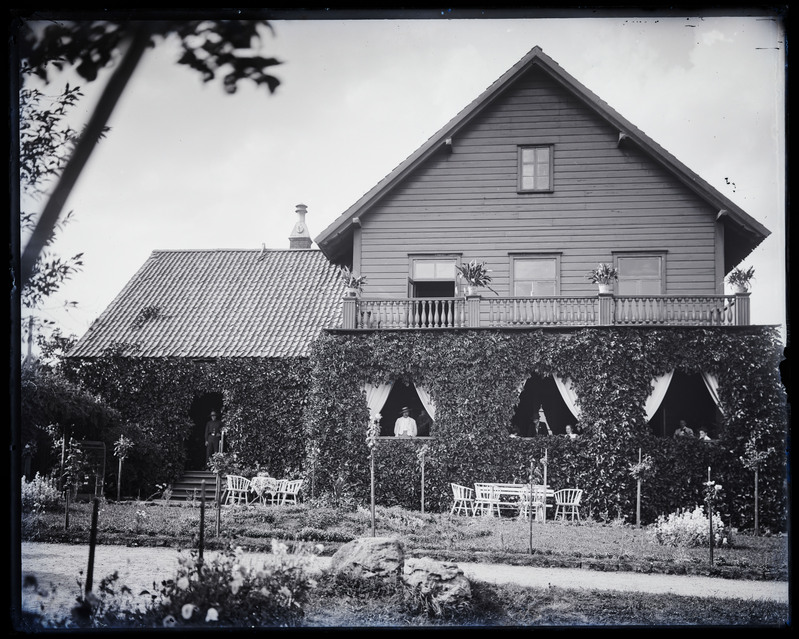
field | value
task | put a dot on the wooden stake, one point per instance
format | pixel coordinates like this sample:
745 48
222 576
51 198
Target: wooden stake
202 523
92 544
638 497
372 465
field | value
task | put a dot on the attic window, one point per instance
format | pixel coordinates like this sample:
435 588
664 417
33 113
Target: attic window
535 168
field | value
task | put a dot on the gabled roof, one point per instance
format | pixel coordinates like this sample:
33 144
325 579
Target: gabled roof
744 232
221 303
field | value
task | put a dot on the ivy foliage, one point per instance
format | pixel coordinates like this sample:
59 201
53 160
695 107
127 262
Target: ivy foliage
299 417
263 403
474 376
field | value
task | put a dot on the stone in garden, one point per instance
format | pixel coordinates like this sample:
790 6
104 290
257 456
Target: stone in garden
444 582
369 558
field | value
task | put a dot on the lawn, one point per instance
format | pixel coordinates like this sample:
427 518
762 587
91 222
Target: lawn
458 538
590 545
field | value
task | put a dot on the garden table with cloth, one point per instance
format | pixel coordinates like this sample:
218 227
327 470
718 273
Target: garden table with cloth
513 497
266 488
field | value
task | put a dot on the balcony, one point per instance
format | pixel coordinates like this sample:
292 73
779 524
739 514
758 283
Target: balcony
368 313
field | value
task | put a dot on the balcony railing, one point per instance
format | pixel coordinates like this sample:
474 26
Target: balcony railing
522 312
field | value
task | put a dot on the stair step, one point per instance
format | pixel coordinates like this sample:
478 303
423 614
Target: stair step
189 486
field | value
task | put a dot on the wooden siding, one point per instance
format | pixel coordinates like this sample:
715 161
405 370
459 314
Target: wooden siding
606 198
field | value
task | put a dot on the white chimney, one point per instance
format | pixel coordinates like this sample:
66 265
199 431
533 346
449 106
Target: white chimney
300 238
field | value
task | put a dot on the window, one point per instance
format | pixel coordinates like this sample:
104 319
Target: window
535 276
640 274
432 276
535 168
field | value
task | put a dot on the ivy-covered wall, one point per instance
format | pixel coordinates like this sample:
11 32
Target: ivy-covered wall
263 401
473 377
295 416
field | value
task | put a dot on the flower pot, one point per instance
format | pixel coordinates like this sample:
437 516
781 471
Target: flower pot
605 288
350 291
469 290
739 289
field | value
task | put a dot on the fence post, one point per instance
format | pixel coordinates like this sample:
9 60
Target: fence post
638 497
473 311
742 309
92 544
372 470
605 309
202 523
348 310
218 498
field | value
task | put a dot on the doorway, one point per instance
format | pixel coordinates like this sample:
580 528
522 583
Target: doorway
199 412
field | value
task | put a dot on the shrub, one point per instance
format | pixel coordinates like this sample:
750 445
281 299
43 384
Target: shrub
222 592
40 494
689 528
226 592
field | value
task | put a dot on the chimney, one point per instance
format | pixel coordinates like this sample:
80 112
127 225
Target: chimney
300 238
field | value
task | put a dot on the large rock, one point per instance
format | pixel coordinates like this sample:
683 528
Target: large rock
443 582
370 558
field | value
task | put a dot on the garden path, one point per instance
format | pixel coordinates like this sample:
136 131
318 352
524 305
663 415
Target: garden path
62 565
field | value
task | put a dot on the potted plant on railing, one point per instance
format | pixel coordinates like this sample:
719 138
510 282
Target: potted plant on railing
603 276
476 275
354 284
740 279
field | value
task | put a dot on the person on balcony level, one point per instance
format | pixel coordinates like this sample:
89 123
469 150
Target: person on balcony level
570 432
405 426
540 427
683 430
213 433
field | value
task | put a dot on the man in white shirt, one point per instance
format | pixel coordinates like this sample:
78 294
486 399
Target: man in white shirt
405 426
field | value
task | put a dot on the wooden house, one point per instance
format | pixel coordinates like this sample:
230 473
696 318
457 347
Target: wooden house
541 181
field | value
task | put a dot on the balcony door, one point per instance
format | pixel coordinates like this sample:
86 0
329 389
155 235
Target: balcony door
432 276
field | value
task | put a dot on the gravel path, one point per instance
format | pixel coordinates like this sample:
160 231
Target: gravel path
61 565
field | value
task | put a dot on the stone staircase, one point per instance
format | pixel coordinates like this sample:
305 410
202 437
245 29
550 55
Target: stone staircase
189 487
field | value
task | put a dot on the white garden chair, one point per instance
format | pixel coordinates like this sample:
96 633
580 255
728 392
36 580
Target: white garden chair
238 490
486 501
567 503
533 502
289 491
463 500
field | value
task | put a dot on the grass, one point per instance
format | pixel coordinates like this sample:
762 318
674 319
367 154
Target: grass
588 545
456 538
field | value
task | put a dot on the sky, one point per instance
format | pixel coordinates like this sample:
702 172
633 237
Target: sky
186 166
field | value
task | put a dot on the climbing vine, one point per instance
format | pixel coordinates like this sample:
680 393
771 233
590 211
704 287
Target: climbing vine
295 416
473 377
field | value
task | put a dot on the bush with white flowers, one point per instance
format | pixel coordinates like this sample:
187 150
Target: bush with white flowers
40 494
688 528
227 591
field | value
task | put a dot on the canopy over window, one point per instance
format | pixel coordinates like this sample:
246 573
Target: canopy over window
659 387
566 390
376 396
427 401
712 384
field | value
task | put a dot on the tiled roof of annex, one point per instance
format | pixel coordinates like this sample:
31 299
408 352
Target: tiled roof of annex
221 303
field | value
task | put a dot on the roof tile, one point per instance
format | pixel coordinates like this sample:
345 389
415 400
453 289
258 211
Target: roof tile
221 303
